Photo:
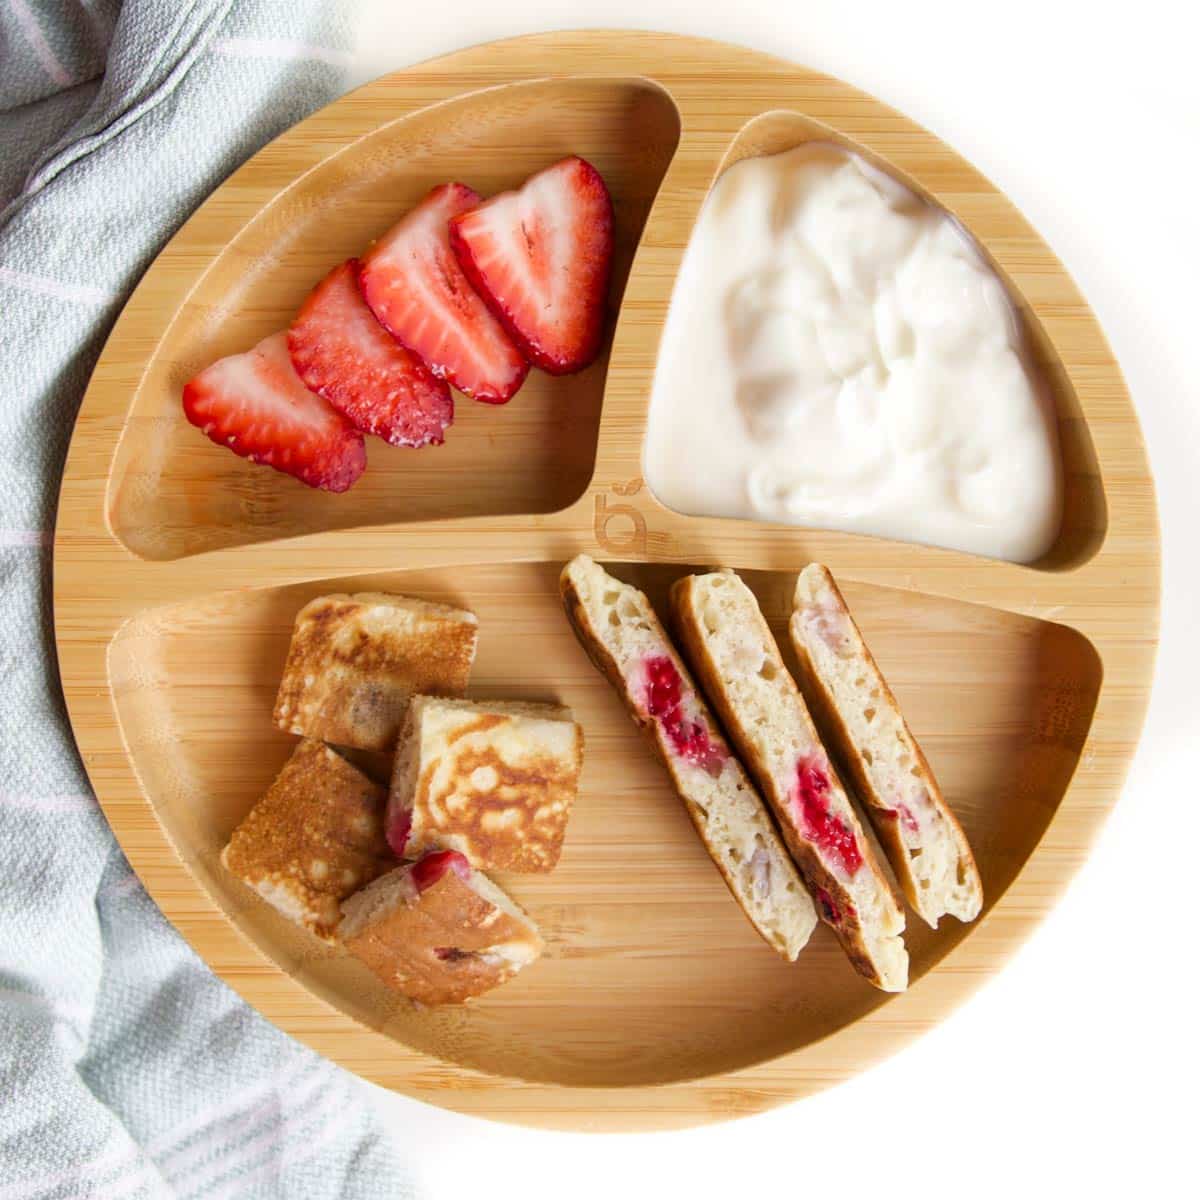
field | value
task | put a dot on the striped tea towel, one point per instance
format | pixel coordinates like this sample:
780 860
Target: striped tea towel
126 1069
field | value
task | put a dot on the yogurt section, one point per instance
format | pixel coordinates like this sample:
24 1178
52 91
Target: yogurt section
839 355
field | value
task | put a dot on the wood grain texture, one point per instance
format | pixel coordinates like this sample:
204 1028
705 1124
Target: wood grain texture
178 570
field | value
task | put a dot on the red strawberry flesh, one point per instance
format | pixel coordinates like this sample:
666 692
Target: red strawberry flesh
413 284
342 353
830 910
818 822
256 405
541 257
398 830
453 954
433 866
664 702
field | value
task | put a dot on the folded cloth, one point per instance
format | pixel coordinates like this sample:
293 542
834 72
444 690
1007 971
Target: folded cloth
126 1069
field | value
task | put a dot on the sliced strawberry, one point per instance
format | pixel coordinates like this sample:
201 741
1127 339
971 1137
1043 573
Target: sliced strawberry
256 404
342 353
416 288
541 258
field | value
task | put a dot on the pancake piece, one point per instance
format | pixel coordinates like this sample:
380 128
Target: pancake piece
438 931
618 628
729 643
859 717
356 661
492 780
315 837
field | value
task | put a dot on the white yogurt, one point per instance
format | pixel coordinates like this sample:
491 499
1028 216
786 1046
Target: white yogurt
839 355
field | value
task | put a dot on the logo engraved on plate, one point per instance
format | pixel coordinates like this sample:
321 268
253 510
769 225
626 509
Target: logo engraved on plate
629 534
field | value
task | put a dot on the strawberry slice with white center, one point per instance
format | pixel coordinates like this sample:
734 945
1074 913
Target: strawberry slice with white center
541 257
415 287
256 405
342 353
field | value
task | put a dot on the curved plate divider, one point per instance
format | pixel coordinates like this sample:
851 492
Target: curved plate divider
178 569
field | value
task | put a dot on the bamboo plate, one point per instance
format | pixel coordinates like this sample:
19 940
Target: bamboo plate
179 568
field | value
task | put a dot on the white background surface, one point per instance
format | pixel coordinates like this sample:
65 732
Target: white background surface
1072 1070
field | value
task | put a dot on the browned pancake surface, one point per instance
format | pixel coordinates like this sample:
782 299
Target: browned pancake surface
355 661
493 781
443 945
315 837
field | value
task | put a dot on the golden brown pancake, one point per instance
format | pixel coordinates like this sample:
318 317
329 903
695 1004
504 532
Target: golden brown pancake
492 780
315 837
355 661
439 932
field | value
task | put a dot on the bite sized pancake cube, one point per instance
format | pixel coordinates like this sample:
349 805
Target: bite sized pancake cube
356 661
438 931
315 837
493 780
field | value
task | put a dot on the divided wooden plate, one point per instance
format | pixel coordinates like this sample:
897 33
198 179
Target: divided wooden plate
179 569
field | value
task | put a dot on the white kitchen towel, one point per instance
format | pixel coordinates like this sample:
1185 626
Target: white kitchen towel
126 1069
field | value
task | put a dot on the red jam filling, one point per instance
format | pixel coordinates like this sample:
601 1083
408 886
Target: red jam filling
433 866
819 823
829 908
907 819
398 831
664 702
